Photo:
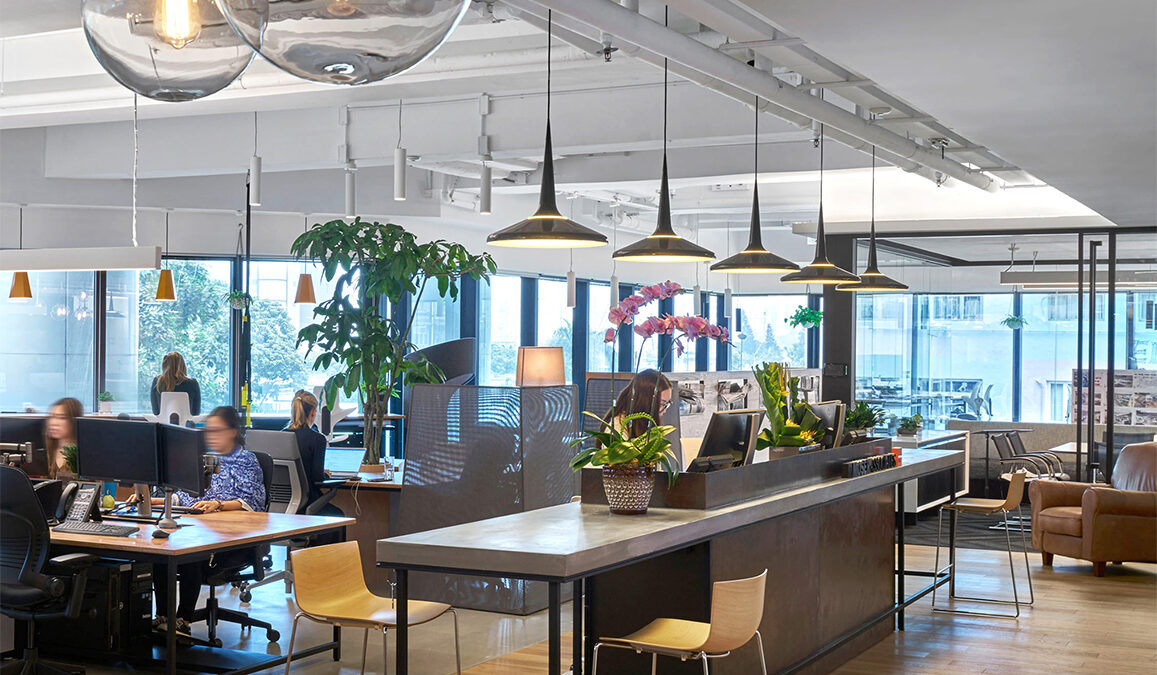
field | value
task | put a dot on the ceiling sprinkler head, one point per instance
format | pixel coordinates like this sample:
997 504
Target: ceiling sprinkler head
608 48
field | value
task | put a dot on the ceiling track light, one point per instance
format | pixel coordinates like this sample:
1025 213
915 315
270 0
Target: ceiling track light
663 245
255 169
547 228
399 162
350 190
872 279
755 259
821 270
484 189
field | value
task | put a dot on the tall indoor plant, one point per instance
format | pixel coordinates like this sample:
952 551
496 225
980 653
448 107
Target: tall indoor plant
381 264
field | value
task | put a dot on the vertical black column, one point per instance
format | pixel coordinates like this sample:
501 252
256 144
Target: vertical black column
814 301
529 311
1091 437
1130 348
99 335
626 336
722 351
839 326
1078 389
666 358
1017 367
237 283
580 330
1110 361
703 345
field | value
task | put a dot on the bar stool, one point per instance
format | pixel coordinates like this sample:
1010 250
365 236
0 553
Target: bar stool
736 611
988 507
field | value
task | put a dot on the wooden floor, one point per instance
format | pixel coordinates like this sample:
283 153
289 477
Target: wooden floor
1079 624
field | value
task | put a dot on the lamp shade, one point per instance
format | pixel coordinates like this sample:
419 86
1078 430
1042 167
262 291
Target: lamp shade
540 367
755 259
872 279
547 228
821 270
21 290
166 291
305 294
663 245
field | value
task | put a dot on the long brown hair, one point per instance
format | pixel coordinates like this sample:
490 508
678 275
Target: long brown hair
642 395
73 409
172 372
304 403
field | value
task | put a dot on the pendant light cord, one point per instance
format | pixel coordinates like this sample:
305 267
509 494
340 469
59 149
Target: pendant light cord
136 156
549 45
821 165
255 132
873 191
756 153
666 13
400 122
21 243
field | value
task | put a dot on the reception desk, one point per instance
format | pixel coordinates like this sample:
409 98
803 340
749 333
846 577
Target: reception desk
829 547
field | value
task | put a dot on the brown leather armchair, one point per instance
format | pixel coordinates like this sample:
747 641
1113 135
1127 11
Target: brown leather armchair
1097 522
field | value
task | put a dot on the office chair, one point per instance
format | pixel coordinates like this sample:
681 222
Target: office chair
328 419
1056 468
175 409
831 414
48 493
1044 466
32 586
212 613
288 493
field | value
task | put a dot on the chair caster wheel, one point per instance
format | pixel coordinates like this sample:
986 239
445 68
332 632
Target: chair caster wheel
246 596
216 642
272 635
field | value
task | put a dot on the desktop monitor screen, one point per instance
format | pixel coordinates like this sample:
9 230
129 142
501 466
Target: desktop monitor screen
729 433
117 450
27 429
182 461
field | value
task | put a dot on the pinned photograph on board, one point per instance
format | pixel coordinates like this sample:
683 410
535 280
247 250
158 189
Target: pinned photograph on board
692 396
731 394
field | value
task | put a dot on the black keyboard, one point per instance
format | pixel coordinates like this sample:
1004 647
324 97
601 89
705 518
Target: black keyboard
103 529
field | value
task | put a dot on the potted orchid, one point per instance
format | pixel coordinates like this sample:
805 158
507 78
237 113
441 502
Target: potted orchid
629 461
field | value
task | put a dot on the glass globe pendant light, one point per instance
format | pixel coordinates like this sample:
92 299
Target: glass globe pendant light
344 41
755 259
872 278
820 270
167 50
664 245
547 227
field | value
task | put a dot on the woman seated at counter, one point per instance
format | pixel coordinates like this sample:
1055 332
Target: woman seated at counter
650 392
175 377
238 486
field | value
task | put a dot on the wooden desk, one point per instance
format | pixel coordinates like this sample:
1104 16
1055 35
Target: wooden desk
371 504
198 538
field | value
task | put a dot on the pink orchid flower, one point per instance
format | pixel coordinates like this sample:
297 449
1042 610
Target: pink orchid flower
617 316
609 336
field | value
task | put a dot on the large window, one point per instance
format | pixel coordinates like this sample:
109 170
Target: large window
142 330
1144 317
499 329
760 333
649 356
47 349
684 306
437 319
600 354
555 320
884 357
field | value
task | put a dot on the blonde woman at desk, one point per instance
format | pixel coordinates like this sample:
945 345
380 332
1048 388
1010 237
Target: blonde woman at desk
60 433
239 486
311 445
175 377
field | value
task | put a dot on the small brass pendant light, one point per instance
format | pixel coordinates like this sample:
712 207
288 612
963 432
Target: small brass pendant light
305 294
21 290
166 290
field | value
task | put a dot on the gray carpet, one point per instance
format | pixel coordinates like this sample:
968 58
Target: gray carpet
971 532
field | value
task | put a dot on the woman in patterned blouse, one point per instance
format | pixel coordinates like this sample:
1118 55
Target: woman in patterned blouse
239 485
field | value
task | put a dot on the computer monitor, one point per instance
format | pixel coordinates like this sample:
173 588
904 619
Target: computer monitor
117 450
729 433
182 458
27 429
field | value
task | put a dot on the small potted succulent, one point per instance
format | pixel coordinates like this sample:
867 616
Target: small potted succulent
860 419
791 422
238 300
806 317
104 401
1014 322
628 464
910 426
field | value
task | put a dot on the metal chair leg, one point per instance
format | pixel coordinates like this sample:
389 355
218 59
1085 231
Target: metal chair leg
762 660
1024 547
365 643
936 563
385 652
595 659
654 662
1015 597
292 637
457 645
703 658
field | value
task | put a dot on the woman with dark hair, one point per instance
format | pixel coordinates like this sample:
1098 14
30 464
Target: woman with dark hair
60 433
174 377
310 443
239 485
649 392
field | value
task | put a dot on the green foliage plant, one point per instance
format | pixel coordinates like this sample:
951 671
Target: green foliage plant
911 423
69 453
791 420
104 396
863 416
1014 322
612 446
806 317
383 263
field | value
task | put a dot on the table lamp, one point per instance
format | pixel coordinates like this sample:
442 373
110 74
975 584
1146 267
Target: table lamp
540 367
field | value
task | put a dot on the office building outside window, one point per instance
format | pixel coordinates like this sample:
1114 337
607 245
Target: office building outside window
555 321
437 319
47 349
760 334
600 354
499 329
684 306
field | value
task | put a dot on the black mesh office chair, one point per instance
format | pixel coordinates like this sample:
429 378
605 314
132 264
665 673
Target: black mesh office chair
234 570
32 586
48 493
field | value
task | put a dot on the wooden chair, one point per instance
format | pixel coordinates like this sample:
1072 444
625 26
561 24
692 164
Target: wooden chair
329 588
988 507
736 611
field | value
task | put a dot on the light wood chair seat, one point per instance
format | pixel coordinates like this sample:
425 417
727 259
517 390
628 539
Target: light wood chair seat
977 505
669 635
329 587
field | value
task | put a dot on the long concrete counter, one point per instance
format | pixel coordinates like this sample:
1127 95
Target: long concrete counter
576 542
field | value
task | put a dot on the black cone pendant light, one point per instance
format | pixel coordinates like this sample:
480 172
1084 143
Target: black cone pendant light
873 279
663 245
755 259
547 228
821 270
